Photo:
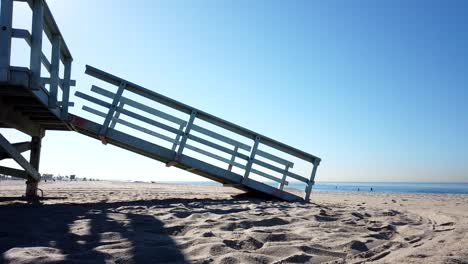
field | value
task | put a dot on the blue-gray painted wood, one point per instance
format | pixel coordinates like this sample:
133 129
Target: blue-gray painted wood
66 88
248 167
16 156
6 16
283 179
112 79
110 114
183 141
36 43
311 182
54 71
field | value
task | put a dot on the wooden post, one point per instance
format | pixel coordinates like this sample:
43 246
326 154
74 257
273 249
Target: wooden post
66 88
233 158
283 180
5 39
110 114
34 160
54 71
176 142
248 167
117 115
186 133
311 182
36 43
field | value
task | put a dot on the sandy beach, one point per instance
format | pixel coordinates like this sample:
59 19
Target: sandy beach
111 222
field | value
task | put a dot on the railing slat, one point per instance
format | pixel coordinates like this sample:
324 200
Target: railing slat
216 146
149 121
92 99
139 106
275 158
131 125
279 170
221 137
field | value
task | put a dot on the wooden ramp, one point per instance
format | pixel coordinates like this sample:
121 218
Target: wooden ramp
188 143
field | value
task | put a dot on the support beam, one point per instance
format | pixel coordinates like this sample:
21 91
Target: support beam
6 16
35 157
14 172
20 147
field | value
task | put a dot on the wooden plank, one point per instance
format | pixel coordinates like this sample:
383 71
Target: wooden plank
266 175
139 106
221 137
150 121
279 170
275 158
216 146
213 156
92 99
126 123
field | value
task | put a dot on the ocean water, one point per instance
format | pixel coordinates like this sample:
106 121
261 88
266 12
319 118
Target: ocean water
388 187
395 187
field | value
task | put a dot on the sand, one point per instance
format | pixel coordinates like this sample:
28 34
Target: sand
109 222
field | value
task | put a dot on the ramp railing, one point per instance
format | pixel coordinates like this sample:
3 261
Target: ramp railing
182 131
42 21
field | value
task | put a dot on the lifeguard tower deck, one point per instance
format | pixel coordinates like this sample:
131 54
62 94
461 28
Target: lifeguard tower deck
132 117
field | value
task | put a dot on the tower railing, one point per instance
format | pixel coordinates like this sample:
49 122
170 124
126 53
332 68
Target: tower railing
42 22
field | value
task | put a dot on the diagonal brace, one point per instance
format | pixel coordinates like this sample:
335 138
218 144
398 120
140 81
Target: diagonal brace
11 151
20 147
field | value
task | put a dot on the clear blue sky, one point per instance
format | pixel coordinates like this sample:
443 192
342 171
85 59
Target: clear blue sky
377 89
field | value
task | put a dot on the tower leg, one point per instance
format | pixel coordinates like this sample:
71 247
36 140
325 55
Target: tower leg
31 183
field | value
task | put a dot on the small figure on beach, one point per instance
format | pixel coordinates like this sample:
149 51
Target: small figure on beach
371 189
358 189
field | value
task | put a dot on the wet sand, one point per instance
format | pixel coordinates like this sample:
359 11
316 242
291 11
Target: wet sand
111 222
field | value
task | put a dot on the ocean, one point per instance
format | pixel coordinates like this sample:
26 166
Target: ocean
387 187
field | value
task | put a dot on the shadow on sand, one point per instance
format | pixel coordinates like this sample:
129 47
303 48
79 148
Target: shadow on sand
89 233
